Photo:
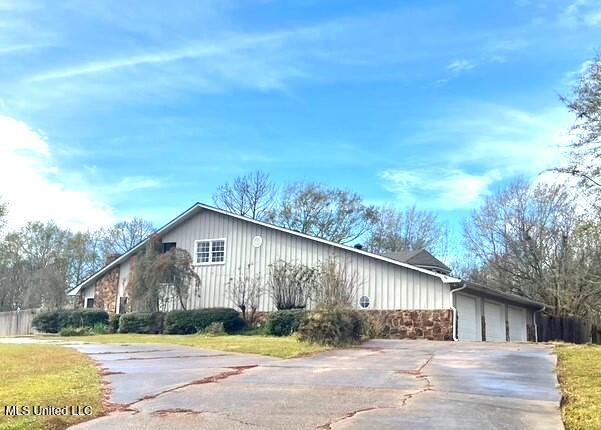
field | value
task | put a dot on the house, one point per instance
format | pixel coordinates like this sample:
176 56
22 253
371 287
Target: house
411 292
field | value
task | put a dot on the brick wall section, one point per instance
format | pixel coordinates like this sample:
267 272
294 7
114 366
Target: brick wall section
107 288
414 324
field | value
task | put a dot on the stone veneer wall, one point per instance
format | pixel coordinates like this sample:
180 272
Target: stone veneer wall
107 289
413 324
404 324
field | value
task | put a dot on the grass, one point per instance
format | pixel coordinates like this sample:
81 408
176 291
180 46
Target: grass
43 375
282 347
579 368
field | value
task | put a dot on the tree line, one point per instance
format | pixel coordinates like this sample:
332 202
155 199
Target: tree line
41 261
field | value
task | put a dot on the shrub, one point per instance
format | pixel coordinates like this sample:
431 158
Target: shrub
290 284
54 321
193 321
100 328
334 327
142 322
76 331
285 322
214 329
336 285
84 317
374 327
113 325
47 322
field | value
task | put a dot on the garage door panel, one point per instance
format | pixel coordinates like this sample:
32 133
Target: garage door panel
494 319
467 318
517 324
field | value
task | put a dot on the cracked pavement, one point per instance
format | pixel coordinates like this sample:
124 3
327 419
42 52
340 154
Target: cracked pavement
383 384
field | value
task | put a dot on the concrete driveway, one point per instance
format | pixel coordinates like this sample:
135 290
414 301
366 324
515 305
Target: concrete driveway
384 384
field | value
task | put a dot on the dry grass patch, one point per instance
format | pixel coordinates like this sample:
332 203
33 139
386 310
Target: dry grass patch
42 375
579 368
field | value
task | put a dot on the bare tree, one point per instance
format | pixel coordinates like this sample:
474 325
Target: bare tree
290 284
251 195
585 103
124 235
153 273
336 285
175 271
3 214
84 253
531 241
396 230
14 273
326 212
245 291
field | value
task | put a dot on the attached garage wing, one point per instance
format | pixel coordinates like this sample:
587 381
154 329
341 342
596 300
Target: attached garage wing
485 314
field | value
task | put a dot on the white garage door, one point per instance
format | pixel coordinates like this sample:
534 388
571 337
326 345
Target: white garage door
467 318
494 318
517 324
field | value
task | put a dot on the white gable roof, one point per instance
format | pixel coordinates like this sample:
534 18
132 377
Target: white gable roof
200 206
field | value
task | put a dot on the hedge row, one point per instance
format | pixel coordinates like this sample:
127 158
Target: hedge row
142 322
54 321
174 322
334 327
193 321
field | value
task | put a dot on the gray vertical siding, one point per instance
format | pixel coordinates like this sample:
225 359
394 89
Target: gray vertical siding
388 286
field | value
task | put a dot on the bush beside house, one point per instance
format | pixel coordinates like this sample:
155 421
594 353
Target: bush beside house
55 321
194 321
332 327
142 322
284 322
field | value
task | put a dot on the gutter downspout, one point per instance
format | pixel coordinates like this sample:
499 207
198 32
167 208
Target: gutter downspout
534 321
454 309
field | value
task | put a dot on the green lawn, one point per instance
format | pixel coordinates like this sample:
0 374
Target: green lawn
45 375
283 347
579 368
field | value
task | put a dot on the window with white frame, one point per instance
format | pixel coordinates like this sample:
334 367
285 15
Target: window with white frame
210 251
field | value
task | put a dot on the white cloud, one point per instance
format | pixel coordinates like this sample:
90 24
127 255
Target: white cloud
135 183
582 12
572 77
199 50
30 182
438 188
486 145
460 66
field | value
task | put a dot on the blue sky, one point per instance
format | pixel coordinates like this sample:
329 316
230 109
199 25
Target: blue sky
115 109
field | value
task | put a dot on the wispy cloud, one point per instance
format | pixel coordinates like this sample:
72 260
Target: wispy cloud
475 151
199 50
135 183
438 187
462 65
582 12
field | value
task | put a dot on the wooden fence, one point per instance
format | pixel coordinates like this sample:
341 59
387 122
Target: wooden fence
568 329
15 323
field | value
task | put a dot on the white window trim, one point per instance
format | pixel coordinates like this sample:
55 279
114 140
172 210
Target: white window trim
210 262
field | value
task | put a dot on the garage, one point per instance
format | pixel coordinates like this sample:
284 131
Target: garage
482 313
494 321
517 324
467 318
